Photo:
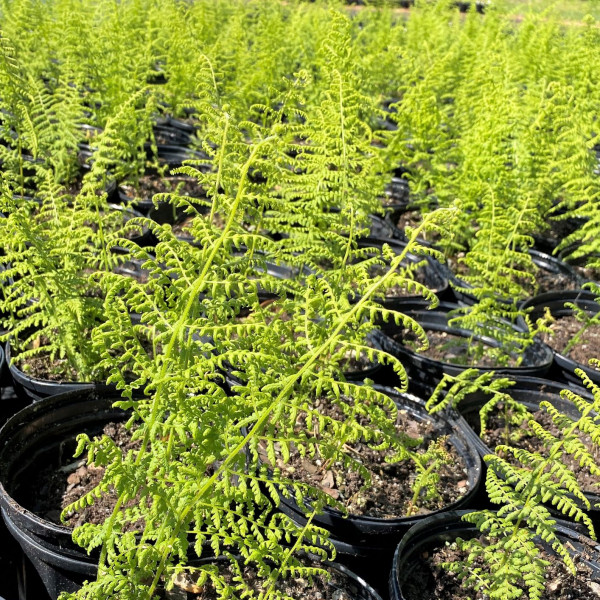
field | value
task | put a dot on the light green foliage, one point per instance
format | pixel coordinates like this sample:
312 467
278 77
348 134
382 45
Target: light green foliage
286 103
200 457
525 484
496 118
50 300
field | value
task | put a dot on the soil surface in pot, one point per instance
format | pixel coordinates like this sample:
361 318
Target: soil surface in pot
563 330
151 184
523 437
454 349
547 281
587 272
390 494
338 587
57 488
43 366
430 581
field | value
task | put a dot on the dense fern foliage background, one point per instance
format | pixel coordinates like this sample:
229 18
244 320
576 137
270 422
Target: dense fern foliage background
298 115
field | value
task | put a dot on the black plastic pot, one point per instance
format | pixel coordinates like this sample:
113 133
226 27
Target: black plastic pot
354 586
464 7
555 301
169 135
528 391
398 190
145 237
30 389
43 435
174 123
380 229
10 403
425 373
438 530
368 533
173 156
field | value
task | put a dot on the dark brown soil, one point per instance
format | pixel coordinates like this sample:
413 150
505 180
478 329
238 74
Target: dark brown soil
429 581
352 364
546 281
563 330
412 218
338 587
524 438
59 488
42 367
390 495
156 184
449 348
591 273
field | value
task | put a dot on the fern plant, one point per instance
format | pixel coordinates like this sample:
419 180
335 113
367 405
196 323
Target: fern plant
190 475
50 252
525 483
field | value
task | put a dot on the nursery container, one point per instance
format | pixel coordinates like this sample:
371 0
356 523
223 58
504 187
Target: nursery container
397 191
555 302
380 229
173 156
529 391
43 436
438 530
31 389
466 6
425 373
373 537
